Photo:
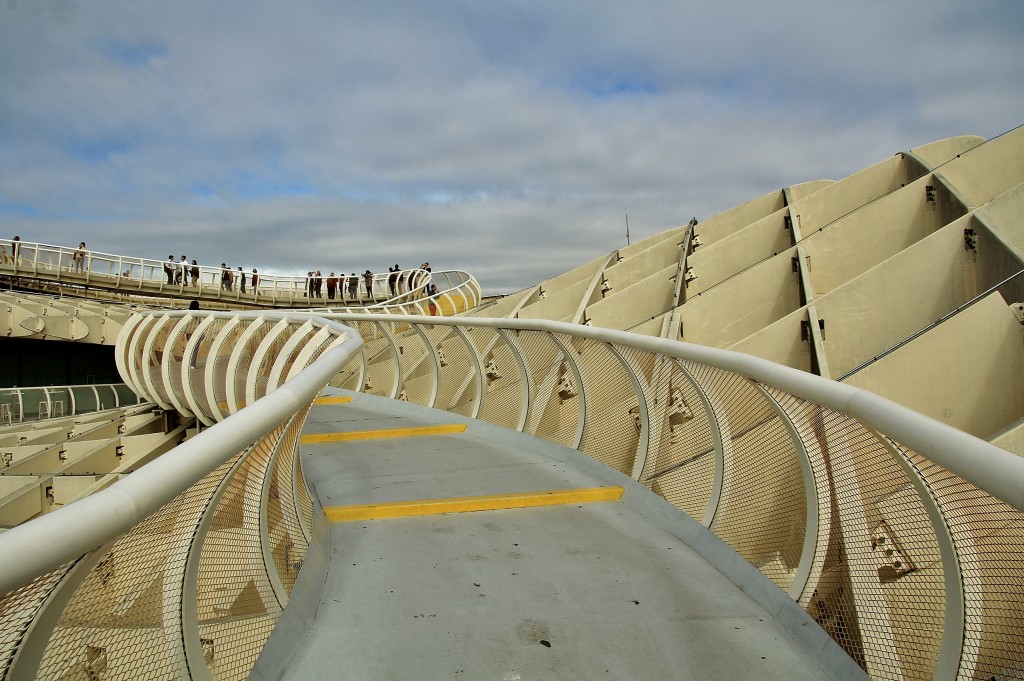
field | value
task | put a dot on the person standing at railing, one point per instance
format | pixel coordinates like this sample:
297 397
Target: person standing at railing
432 303
426 268
169 268
255 280
332 285
241 280
181 271
368 280
393 279
195 273
353 286
225 277
16 249
78 258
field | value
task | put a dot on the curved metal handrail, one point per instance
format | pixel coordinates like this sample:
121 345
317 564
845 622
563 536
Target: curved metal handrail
864 512
57 537
997 471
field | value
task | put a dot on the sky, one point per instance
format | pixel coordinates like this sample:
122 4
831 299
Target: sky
512 140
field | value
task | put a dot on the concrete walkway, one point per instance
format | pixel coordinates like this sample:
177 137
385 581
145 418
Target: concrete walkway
555 587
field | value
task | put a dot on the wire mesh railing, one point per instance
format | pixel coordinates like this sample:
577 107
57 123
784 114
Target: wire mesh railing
181 569
900 536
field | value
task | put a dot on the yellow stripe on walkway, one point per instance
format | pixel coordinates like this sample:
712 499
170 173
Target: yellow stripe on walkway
348 436
332 400
490 502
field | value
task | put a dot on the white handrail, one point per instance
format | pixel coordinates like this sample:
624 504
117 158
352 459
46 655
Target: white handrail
71 531
992 469
131 272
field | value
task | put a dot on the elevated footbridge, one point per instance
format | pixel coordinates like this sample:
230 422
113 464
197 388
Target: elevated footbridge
59 269
838 520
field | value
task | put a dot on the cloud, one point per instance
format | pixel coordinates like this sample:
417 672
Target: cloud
507 140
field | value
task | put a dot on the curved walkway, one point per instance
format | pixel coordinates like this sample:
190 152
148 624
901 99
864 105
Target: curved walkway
403 585
44 267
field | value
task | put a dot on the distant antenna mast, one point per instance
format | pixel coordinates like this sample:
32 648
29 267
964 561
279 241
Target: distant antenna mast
627 226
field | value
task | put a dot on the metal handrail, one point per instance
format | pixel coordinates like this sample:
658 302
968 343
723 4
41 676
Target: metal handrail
71 531
130 274
991 468
834 493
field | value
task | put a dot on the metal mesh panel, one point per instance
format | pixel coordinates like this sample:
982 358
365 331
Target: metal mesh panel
762 511
420 379
806 419
246 352
158 332
17 610
235 600
414 364
682 466
297 349
287 536
176 355
457 385
555 403
197 366
349 376
121 620
380 363
503 385
221 363
262 375
611 431
989 539
886 599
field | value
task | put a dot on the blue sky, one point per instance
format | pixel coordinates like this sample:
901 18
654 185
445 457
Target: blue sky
506 139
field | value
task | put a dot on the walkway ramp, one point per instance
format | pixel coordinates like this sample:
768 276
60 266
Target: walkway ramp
575 572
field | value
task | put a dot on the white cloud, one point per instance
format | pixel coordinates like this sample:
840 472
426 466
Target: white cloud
502 139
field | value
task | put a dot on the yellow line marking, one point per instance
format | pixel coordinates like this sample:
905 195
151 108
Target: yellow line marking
348 436
488 502
332 400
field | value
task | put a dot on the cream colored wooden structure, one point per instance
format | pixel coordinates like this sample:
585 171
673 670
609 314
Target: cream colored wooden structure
905 278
